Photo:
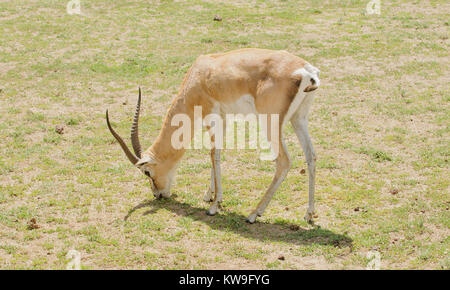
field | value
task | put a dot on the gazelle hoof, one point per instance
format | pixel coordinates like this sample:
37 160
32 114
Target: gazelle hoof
251 218
212 210
309 218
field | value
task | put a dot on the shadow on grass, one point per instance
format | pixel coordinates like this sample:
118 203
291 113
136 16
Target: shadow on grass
230 221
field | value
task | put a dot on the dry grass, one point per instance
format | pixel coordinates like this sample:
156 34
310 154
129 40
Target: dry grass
380 122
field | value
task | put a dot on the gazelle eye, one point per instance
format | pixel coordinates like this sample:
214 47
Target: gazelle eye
147 173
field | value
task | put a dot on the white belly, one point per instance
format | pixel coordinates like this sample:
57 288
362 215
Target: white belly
244 105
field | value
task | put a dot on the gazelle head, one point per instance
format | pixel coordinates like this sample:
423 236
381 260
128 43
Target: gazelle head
160 177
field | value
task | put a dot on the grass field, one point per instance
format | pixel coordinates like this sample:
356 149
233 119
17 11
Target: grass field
380 126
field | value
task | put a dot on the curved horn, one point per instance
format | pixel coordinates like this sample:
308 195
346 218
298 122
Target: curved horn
135 129
124 146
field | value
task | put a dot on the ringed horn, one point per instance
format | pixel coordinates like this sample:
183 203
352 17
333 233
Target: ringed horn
134 135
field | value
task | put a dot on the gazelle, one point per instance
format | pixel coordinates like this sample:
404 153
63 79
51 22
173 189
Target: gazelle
257 81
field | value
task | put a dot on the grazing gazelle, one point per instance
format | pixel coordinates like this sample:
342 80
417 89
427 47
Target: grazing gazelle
245 81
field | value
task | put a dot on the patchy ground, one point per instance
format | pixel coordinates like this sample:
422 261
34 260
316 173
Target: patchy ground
380 125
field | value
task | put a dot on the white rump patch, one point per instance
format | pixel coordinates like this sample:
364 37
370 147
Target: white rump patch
314 73
308 73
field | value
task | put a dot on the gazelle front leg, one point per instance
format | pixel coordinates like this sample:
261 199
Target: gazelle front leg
216 183
283 164
300 125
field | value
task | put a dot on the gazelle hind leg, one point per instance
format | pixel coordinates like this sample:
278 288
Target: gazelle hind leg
282 167
216 180
300 125
210 192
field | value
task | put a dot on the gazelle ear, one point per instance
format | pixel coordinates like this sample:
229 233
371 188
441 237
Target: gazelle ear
145 160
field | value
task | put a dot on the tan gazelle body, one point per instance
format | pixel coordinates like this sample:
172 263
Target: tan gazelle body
244 81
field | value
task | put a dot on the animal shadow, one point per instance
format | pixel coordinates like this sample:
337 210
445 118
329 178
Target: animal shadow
230 221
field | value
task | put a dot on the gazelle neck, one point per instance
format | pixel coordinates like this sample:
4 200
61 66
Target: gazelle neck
162 149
